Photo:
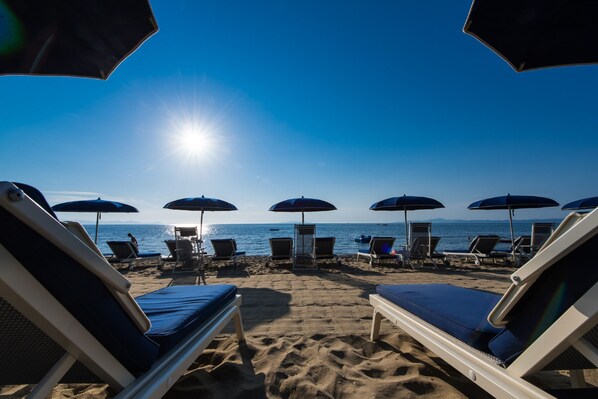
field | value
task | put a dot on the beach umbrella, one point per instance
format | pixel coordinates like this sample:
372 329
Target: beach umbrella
510 203
98 206
406 203
302 205
531 34
85 38
582 204
202 204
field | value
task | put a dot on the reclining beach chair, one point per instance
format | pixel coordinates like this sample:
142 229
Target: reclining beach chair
79 231
124 252
546 320
172 254
225 249
424 248
324 249
380 249
540 234
281 249
419 230
67 316
480 248
304 256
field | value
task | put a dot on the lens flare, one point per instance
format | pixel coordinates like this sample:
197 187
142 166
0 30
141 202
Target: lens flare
11 31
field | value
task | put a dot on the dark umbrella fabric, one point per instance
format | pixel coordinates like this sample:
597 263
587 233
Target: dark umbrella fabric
406 203
85 38
531 34
512 202
97 206
582 204
302 205
200 204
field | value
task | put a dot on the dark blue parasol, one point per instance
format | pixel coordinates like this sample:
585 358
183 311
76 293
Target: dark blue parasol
98 206
406 203
71 37
582 204
536 33
512 202
302 205
202 204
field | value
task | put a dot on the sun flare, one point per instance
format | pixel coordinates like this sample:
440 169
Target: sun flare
195 141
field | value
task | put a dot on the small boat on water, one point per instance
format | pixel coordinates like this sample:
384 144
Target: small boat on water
363 238
274 229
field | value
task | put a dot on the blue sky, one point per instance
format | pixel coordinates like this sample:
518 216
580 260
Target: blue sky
348 101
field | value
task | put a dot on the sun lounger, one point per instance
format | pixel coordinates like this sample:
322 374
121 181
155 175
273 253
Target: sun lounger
225 249
304 257
546 320
124 252
481 248
380 249
424 248
79 231
281 249
67 316
324 249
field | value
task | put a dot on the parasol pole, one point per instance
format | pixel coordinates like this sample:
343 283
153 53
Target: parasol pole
201 228
512 235
407 246
97 222
302 217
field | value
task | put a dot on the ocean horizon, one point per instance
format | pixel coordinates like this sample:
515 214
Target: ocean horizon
254 238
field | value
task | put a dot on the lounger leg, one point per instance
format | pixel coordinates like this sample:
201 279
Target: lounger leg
44 388
376 320
239 326
577 379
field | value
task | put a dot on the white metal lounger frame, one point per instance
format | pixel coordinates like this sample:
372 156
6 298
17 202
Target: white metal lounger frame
25 294
376 257
568 331
477 255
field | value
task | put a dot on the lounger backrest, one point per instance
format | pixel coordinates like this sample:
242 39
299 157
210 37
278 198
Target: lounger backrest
325 245
171 245
483 244
522 244
281 247
381 245
540 233
224 247
122 249
549 296
421 244
183 249
575 229
418 230
33 243
37 197
185 231
304 239
79 231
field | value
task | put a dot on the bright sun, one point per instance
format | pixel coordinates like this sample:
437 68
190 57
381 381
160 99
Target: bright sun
196 142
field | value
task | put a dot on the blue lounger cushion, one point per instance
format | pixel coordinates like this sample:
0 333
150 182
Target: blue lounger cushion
461 312
176 311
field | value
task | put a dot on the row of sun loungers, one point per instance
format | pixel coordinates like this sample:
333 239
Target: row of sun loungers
64 301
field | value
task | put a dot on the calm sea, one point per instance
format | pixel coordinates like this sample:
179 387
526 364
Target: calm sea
253 238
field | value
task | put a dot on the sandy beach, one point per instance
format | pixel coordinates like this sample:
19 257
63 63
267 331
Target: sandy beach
308 335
